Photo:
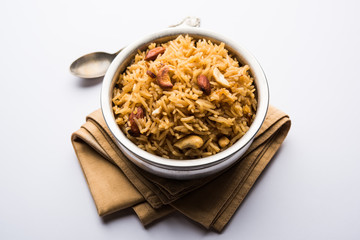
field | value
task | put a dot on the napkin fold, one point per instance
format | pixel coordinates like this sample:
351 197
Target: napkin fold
116 183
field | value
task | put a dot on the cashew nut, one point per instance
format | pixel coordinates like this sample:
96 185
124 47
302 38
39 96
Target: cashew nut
220 78
223 142
192 141
153 53
163 78
136 114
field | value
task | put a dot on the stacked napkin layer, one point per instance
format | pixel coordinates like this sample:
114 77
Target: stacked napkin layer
116 183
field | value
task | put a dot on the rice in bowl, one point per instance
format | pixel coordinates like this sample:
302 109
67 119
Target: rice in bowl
184 99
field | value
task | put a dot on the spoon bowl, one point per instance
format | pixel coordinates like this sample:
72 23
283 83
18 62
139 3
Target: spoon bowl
92 65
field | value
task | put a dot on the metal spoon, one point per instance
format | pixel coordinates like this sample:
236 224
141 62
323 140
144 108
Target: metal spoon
94 65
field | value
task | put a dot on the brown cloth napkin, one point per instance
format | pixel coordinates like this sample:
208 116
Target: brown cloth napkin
116 183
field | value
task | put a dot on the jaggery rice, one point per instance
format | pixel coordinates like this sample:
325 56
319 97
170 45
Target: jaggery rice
215 116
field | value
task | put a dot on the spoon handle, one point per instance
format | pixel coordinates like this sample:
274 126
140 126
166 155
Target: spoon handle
188 22
119 51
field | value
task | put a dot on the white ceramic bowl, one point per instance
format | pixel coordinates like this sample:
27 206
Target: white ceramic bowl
173 168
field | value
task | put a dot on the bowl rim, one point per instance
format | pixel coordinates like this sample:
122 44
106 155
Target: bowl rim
259 78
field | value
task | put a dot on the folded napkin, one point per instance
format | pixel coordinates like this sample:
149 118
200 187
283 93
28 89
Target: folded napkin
116 183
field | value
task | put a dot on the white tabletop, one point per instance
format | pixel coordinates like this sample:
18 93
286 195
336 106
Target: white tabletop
309 51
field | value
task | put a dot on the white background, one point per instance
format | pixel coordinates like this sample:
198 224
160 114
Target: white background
309 51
